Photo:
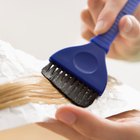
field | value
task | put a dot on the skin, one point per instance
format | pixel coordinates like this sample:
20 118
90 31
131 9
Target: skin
99 17
76 123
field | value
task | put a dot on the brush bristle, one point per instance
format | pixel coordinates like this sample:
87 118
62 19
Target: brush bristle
70 87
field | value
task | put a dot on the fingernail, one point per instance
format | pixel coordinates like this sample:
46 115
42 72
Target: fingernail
67 117
99 27
127 26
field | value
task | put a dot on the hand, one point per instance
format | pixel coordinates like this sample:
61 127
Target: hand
77 124
100 16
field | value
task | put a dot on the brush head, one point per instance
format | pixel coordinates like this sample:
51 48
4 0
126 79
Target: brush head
69 86
79 73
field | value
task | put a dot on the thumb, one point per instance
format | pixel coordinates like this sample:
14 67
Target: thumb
87 124
129 27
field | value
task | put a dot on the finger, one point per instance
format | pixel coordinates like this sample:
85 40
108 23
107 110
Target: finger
95 7
129 28
127 114
123 49
108 15
87 19
137 12
86 33
61 129
113 52
87 124
127 43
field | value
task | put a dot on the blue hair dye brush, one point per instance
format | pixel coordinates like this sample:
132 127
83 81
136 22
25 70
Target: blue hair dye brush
80 72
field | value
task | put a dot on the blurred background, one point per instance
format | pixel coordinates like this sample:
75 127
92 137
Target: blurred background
41 27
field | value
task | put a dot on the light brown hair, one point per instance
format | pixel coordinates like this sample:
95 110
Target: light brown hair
35 89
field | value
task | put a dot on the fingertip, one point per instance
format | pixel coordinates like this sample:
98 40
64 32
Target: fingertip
61 109
87 34
125 25
100 27
104 22
66 115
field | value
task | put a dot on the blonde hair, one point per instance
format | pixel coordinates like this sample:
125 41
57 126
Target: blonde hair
31 89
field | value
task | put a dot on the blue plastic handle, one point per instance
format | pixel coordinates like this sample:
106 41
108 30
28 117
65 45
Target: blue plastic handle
105 40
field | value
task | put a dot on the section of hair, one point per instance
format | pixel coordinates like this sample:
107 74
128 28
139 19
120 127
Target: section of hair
31 89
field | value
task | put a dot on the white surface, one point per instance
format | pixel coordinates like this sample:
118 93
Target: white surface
127 72
117 97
